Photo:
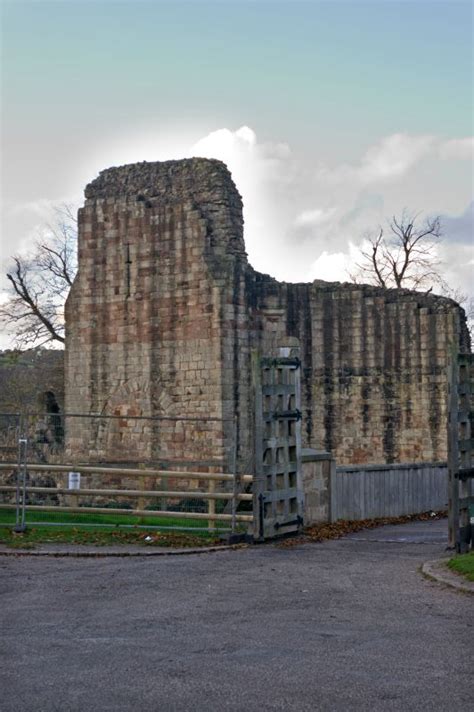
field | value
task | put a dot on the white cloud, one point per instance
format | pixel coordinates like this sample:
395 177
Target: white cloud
42 207
30 220
393 156
330 266
227 145
458 267
460 148
294 209
250 161
264 175
335 266
459 228
389 159
314 217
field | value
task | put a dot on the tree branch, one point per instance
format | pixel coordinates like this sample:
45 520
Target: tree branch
39 284
405 256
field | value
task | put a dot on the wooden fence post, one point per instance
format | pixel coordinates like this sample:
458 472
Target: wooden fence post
211 505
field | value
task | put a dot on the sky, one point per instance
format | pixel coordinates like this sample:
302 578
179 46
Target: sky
332 116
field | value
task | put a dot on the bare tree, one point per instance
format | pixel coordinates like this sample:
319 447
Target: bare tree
39 285
404 255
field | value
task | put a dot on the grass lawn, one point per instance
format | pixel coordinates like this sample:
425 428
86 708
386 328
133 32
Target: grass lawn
94 537
114 520
103 529
463 564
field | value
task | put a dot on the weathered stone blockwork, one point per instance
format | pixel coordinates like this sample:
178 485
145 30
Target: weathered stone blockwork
144 317
166 312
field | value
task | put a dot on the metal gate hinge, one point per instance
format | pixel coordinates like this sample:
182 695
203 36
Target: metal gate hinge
464 474
292 361
298 521
288 415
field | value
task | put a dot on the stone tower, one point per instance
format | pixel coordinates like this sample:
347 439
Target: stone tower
147 313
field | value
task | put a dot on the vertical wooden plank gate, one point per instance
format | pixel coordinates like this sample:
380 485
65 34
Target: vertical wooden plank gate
278 488
461 452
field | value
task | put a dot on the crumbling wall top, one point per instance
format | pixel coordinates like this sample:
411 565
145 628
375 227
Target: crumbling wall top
204 183
166 179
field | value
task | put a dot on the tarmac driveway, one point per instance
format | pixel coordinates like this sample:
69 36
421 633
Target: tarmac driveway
343 625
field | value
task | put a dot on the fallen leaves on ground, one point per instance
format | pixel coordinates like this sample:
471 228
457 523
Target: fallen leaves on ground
336 530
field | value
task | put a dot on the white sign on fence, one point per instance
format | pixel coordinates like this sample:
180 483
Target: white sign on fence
74 480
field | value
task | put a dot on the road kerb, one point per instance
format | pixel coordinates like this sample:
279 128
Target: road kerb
128 552
438 571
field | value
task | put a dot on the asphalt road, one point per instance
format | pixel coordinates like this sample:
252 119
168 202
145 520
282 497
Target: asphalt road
343 625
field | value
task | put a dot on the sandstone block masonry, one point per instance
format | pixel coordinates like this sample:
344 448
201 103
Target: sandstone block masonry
166 315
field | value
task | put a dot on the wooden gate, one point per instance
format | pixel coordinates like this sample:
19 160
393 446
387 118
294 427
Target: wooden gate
461 452
278 488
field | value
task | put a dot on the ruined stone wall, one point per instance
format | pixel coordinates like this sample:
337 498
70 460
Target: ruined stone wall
26 377
166 314
374 376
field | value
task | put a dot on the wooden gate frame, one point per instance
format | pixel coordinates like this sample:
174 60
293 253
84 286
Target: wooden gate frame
460 451
278 484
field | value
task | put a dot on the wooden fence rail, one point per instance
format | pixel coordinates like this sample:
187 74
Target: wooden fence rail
211 495
154 494
127 472
136 512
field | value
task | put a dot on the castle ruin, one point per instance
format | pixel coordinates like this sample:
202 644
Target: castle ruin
166 315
